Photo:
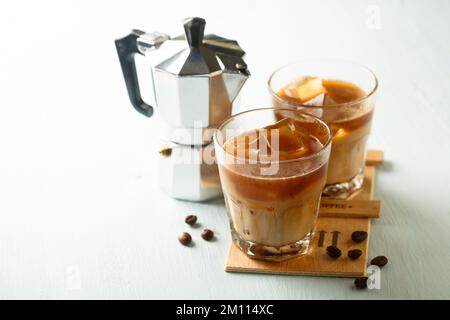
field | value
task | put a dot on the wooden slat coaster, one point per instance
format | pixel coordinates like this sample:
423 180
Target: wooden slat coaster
336 222
374 158
349 208
317 263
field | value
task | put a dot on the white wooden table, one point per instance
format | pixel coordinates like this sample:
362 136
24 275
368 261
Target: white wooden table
80 213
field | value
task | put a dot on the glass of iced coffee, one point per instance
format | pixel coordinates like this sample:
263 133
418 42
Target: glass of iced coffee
342 94
273 166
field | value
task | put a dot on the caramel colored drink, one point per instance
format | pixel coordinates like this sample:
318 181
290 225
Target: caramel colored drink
273 166
346 106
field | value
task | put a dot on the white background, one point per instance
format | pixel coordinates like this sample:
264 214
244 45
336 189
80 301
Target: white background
80 213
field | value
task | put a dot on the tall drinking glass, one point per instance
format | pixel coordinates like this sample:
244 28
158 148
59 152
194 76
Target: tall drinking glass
342 94
272 165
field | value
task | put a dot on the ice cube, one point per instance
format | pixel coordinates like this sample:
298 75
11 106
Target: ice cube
282 140
283 124
317 101
328 100
338 133
263 138
290 139
244 146
309 88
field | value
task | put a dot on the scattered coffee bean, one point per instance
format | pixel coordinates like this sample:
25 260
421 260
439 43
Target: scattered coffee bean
354 254
334 252
380 261
165 151
361 283
191 219
185 238
207 234
359 236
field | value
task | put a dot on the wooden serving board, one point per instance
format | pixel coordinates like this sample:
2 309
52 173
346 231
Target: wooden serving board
336 222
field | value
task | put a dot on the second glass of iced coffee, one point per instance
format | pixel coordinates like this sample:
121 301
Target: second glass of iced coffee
342 94
273 167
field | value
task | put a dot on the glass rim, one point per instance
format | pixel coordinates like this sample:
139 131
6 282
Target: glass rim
298 104
324 147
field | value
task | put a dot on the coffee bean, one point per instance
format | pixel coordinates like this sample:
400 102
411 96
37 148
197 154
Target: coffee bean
191 219
380 261
361 283
185 238
207 234
165 151
354 254
334 252
359 236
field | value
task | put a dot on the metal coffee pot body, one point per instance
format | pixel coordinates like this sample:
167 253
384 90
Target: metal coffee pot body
195 79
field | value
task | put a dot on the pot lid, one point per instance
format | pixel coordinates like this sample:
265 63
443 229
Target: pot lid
204 54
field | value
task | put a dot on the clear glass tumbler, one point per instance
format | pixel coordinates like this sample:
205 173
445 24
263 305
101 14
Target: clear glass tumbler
350 121
272 164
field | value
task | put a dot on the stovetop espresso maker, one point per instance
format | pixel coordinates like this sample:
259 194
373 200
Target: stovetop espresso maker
196 78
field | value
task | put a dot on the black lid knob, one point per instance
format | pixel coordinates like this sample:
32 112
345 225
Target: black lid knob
194 29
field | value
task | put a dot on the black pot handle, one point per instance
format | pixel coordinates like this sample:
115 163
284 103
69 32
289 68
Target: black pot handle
127 48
